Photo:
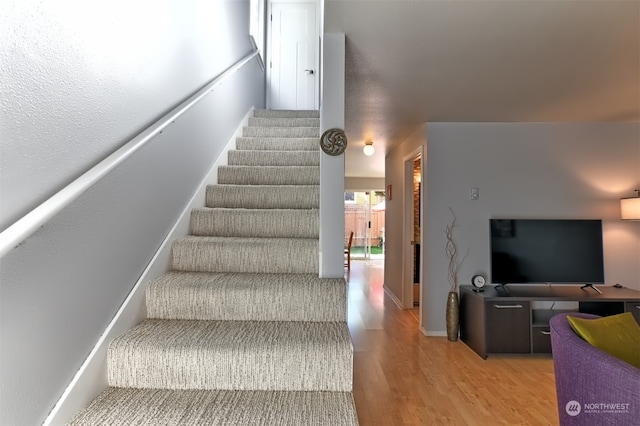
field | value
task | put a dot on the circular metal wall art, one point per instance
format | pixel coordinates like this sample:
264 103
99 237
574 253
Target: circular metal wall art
333 141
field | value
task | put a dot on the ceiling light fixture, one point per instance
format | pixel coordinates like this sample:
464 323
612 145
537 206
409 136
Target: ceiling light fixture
368 148
630 207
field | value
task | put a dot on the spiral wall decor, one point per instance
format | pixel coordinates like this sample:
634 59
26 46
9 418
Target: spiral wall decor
333 141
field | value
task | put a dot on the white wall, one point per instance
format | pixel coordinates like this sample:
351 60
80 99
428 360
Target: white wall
332 166
536 170
79 80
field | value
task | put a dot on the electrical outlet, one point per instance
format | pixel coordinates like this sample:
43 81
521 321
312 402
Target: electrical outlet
474 194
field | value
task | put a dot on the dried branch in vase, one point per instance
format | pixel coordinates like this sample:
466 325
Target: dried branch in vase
452 254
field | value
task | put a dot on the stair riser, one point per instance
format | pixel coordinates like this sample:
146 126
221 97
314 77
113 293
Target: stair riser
263 196
232 356
267 255
250 297
255 223
278 144
274 158
151 407
274 113
281 132
269 175
283 122
243 372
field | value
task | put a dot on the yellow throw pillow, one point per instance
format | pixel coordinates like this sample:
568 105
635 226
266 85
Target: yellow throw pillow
618 335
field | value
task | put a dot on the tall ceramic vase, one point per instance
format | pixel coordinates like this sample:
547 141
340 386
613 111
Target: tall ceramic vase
452 316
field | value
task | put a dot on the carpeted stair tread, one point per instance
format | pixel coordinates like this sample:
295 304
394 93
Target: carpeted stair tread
253 255
278 144
264 196
259 223
283 122
281 132
269 175
152 407
273 158
233 355
246 297
275 113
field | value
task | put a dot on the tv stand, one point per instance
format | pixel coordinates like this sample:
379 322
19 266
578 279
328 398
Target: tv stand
493 322
592 286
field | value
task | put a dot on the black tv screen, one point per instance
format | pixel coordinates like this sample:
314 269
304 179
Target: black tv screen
546 251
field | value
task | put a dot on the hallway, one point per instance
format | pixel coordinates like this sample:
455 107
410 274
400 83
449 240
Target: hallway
402 377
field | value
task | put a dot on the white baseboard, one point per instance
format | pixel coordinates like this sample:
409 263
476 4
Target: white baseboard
392 296
433 333
91 378
436 333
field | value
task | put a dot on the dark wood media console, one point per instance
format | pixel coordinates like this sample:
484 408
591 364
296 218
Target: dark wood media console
493 322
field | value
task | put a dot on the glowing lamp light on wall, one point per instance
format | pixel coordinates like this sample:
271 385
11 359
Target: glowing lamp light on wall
630 207
368 149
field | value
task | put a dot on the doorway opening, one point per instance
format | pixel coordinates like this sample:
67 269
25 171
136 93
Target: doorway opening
417 193
364 216
412 219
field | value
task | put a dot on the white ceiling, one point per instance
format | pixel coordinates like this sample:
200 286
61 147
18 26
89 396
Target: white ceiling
411 62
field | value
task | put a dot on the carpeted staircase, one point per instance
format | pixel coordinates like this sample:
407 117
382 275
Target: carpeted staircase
242 331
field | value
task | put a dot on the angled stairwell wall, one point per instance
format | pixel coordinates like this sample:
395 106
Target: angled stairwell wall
68 104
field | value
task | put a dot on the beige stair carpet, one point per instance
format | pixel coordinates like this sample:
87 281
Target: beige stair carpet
242 331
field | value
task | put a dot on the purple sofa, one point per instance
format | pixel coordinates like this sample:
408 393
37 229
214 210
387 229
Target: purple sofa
592 387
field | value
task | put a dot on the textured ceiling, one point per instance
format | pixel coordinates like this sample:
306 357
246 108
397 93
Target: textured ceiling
411 62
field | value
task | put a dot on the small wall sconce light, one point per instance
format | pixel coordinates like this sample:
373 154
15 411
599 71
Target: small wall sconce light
368 148
630 207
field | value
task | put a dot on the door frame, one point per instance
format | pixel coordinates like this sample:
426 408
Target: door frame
269 49
407 227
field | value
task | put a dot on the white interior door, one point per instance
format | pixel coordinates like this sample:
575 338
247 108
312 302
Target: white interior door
292 76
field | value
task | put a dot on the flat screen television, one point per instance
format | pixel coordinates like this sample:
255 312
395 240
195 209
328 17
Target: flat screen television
532 251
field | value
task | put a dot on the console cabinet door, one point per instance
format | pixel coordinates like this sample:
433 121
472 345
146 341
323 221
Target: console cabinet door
508 327
634 308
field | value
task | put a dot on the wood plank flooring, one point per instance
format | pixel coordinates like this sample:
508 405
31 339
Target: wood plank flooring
402 377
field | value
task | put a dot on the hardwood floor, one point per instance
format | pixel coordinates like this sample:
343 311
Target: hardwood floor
402 377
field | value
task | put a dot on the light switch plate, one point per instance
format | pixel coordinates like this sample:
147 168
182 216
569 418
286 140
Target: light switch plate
474 193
